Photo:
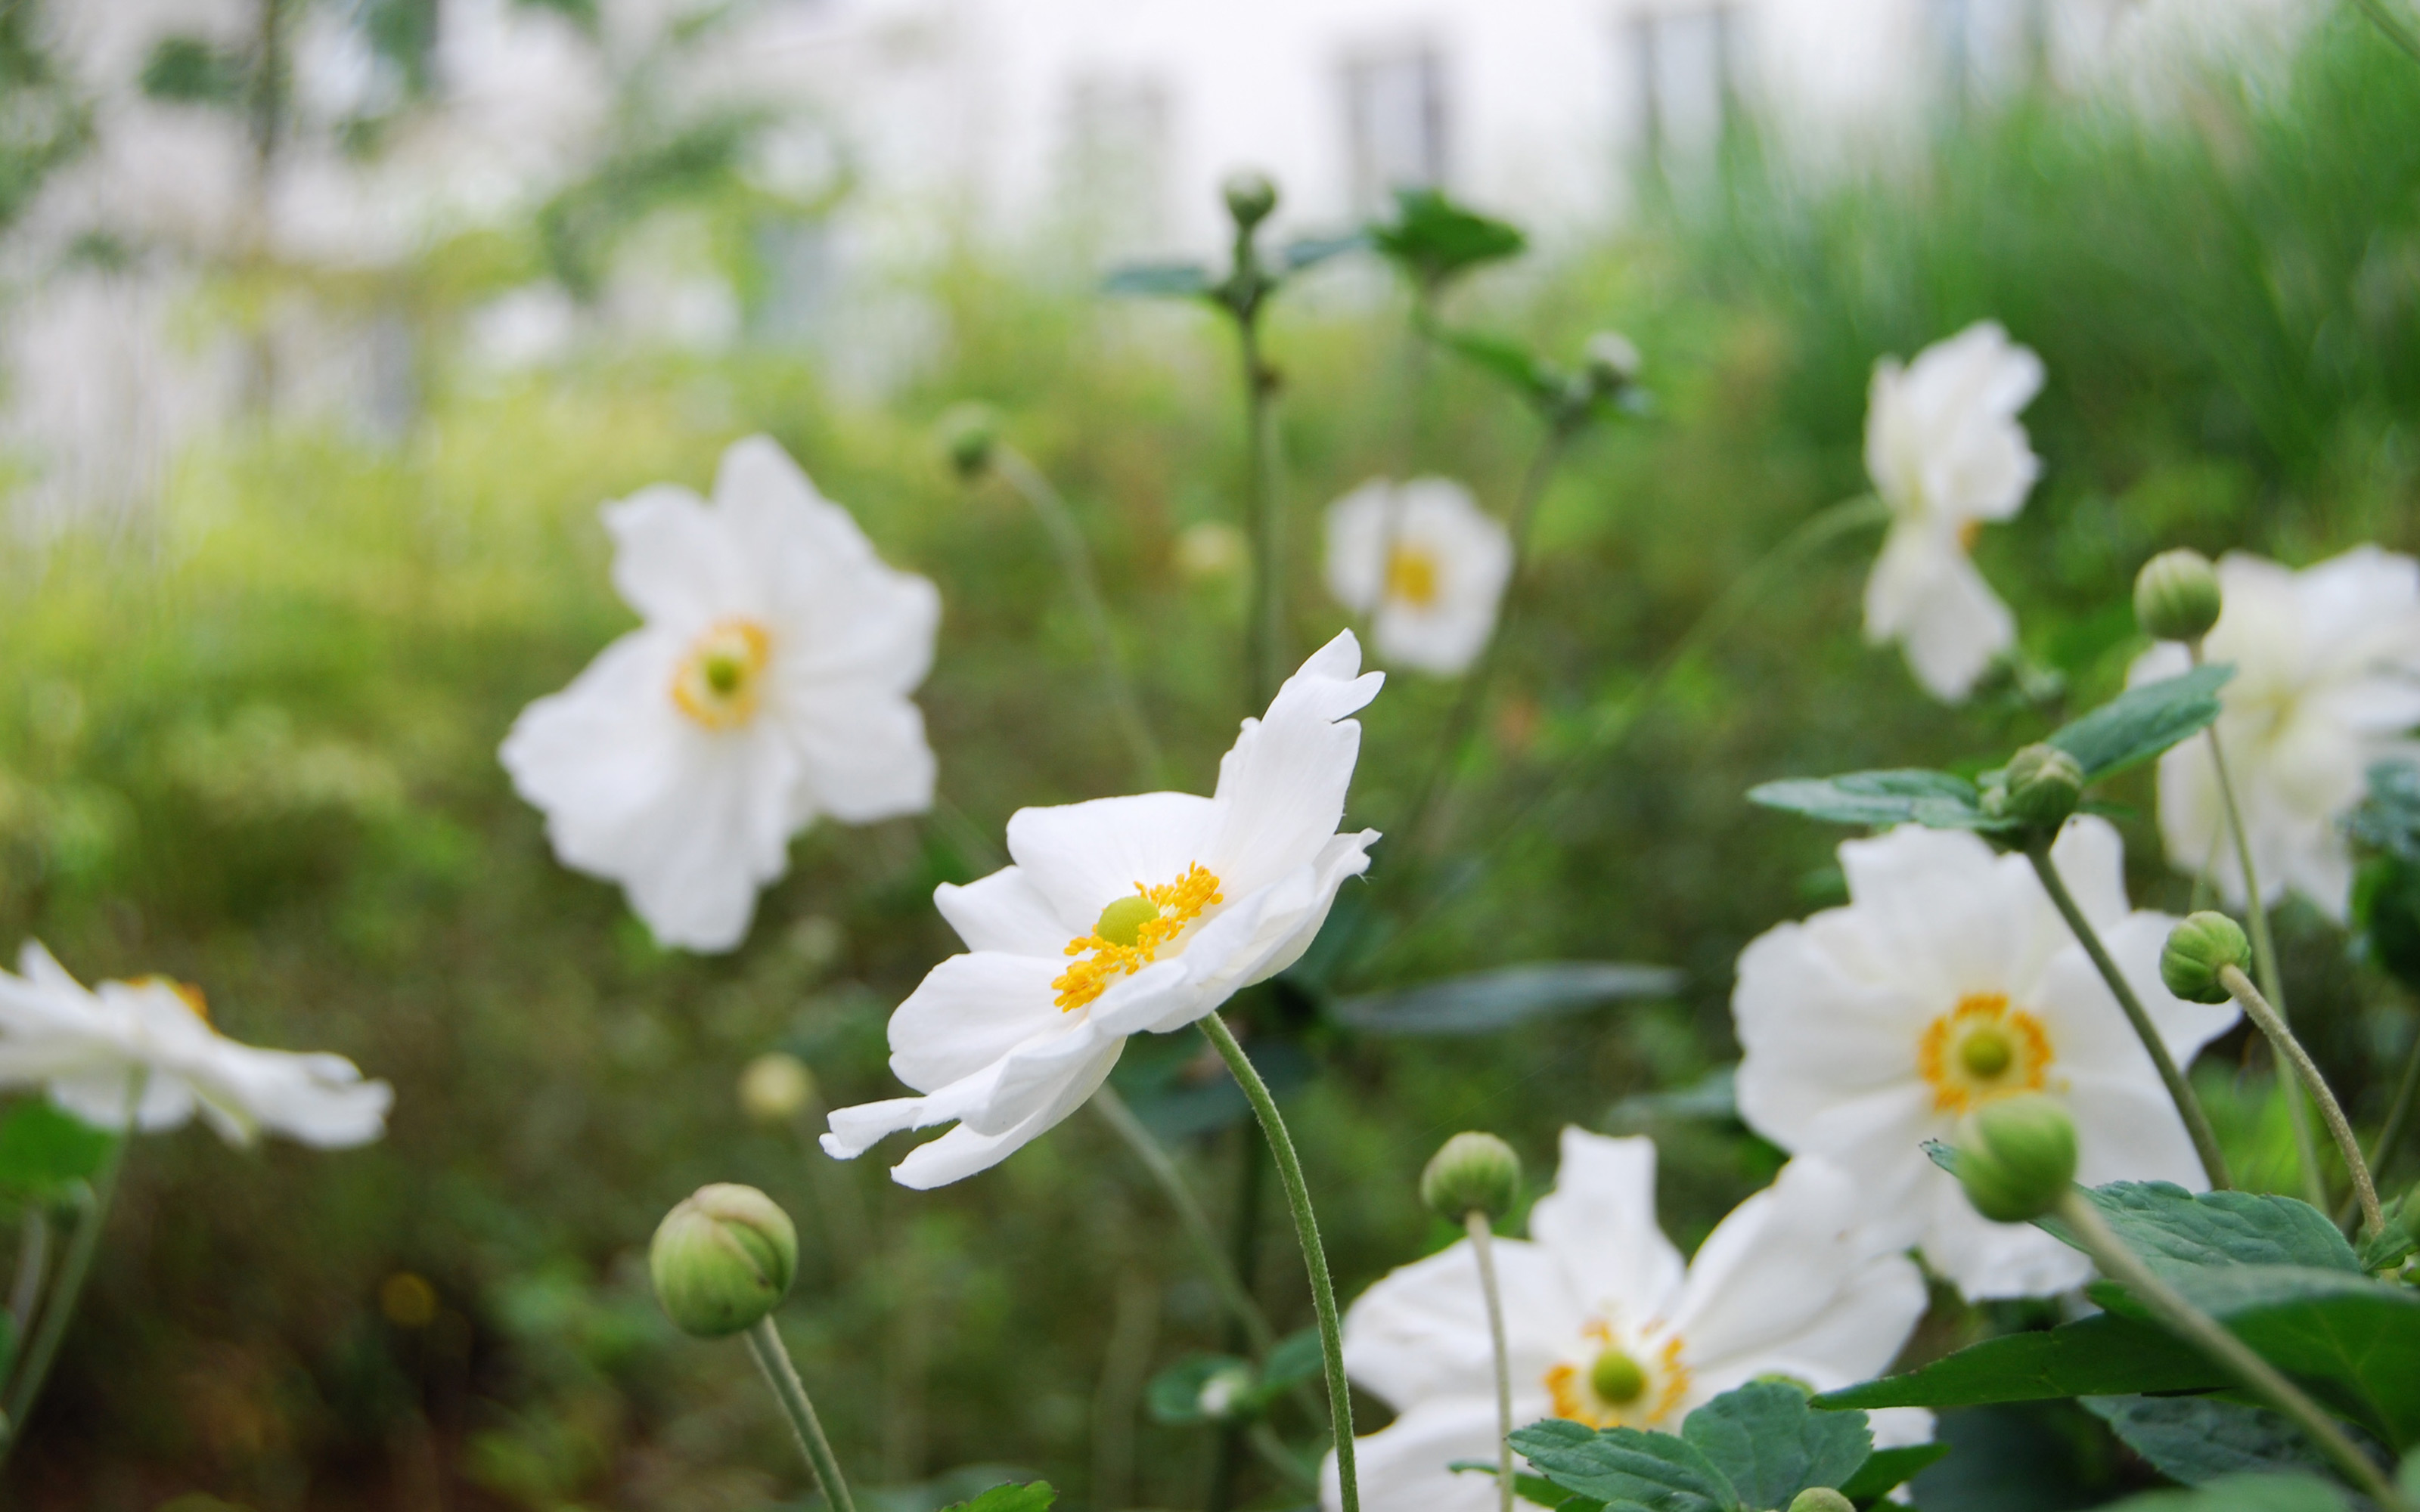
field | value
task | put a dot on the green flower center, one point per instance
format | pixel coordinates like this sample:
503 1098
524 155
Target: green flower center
1122 922
1617 1379
1985 1053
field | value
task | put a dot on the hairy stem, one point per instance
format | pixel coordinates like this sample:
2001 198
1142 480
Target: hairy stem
1314 1257
1482 1246
2180 1092
2291 1049
2197 1328
765 1343
1083 581
1265 636
1189 1216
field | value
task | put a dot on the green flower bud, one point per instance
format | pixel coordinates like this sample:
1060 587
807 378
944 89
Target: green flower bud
1612 361
2177 596
2196 950
722 1258
1820 1499
2041 786
1250 197
1472 1172
775 1087
969 432
2016 1157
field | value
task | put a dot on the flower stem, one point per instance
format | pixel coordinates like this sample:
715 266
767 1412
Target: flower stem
32 1264
2291 1049
1314 1257
1482 1246
2197 1328
1189 1216
1083 581
765 1343
1266 634
2180 1092
34 1366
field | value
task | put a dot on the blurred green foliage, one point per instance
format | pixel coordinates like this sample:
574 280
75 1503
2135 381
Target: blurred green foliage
255 748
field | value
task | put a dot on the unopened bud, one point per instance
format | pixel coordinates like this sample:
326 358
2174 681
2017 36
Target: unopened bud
2177 596
1471 1173
1224 1394
1820 1499
1612 361
2042 786
722 1258
1250 197
776 1088
2198 948
2016 1157
969 432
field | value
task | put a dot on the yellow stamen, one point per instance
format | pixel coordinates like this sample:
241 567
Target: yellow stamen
1968 533
1617 1388
1981 1050
721 681
1130 934
1411 575
188 994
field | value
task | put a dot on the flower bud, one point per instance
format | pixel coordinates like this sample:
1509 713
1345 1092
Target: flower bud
776 1088
1250 197
2016 1157
2198 949
1472 1172
2177 596
1820 1499
2042 786
722 1258
1611 361
1225 1394
969 432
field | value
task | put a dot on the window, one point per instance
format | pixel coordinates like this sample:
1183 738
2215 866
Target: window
1395 119
1684 61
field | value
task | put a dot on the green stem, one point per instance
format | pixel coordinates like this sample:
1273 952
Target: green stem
32 1264
765 1343
2197 1328
34 1366
1482 1246
2180 1092
1265 637
1083 581
2399 29
2291 1049
1189 1216
1314 1257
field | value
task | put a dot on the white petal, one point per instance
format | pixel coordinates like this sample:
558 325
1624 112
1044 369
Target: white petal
962 1152
676 563
1925 594
2127 1129
1281 786
1004 911
1420 1330
862 755
1083 857
1599 1225
1401 1467
1985 1260
969 1011
1358 525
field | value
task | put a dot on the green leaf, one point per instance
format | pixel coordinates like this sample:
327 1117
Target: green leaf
2242 1494
1158 281
2141 722
2393 1244
1887 1470
1435 240
2355 1342
44 1151
1655 1471
1909 795
187 71
2389 818
1771 1445
2197 1438
1536 1489
1035 1497
1292 1359
2175 1231
1306 252
1533 378
1486 1001
2106 1356
1714 1095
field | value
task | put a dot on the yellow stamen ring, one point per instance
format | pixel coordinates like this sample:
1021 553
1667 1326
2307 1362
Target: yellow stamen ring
1981 1050
1616 1388
721 681
1130 932
1411 575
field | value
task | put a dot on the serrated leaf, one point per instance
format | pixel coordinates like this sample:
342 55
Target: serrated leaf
2391 1246
1158 281
1770 1444
1486 1001
2103 1356
2176 1230
2354 1342
2197 1438
1035 1497
1536 1489
1655 1471
44 1151
2141 722
1887 1470
1939 800
2242 1494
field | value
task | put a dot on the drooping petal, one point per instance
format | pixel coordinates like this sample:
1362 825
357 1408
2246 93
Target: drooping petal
1281 786
970 1012
1599 1222
962 1152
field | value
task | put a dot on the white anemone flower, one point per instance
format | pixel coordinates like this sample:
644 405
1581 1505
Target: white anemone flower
1604 1325
1946 454
768 684
1949 980
1425 564
151 1044
1119 916
2327 680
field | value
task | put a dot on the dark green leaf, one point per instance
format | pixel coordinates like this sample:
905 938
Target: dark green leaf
1036 1497
1539 381
1909 795
2174 1229
2389 818
2141 722
2354 1341
1174 1394
2393 1244
1294 1358
43 1151
2103 1356
1886 1470
2196 1439
1176 1104
1486 1001
1536 1489
2242 1494
1655 1471
1771 1445
1158 281
1434 240
188 70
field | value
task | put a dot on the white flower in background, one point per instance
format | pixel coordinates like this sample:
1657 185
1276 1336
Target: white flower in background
1949 980
1119 916
2327 680
768 685
1426 563
1946 452
89 1048
1606 1326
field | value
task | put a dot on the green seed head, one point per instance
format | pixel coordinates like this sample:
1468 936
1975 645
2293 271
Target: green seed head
2177 596
2016 1157
2197 950
722 1258
2042 785
724 672
1985 1053
1250 198
1820 1499
1616 1379
1471 1173
969 432
1122 922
